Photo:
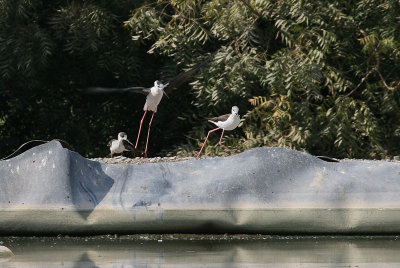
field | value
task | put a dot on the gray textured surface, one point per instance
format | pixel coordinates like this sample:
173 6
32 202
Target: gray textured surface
5 253
49 189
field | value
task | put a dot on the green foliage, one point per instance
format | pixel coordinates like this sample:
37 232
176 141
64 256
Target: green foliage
48 52
321 77
318 76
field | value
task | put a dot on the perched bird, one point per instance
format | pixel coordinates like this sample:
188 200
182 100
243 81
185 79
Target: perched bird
224 122
120 145
154 94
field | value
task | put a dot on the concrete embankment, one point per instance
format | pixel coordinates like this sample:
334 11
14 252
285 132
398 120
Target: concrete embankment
50 190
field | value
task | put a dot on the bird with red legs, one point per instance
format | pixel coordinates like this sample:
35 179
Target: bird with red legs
153 94
224 122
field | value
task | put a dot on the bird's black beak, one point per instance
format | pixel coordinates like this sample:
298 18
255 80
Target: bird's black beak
165 93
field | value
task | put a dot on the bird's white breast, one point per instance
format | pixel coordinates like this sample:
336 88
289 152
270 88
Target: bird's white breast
230 124
153 99
117 147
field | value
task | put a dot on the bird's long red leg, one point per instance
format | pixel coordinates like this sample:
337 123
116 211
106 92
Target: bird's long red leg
206 140
148 134
220 143
140 128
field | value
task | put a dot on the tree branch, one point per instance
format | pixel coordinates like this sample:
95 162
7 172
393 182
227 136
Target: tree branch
251 8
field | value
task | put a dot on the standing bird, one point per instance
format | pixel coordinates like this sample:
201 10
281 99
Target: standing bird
154 94
224 122
120 145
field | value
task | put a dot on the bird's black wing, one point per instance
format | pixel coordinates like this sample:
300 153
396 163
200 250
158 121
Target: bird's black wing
128 145
182 77
328 159
143 91
170 85
219 118
109 90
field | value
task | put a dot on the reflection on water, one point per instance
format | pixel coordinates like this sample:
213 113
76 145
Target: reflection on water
237 251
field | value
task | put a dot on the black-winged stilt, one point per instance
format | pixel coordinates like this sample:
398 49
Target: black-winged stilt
224 122
154 94
120 145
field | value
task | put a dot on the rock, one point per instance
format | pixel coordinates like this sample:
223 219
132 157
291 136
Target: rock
5 252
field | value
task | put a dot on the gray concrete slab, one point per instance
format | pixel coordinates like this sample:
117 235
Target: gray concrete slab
49 189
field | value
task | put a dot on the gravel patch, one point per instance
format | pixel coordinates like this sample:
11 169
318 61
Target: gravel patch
142 160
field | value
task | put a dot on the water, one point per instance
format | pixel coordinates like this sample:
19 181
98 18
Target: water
203 251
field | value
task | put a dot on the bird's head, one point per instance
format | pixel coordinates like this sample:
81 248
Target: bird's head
122 136
160 86
235 110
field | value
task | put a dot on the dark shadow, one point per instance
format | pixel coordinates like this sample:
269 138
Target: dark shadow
89 184
85 262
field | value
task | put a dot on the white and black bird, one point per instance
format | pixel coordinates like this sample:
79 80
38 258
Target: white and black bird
120 145
224 122
153 94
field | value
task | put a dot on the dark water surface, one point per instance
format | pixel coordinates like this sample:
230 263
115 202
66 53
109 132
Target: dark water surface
202 251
